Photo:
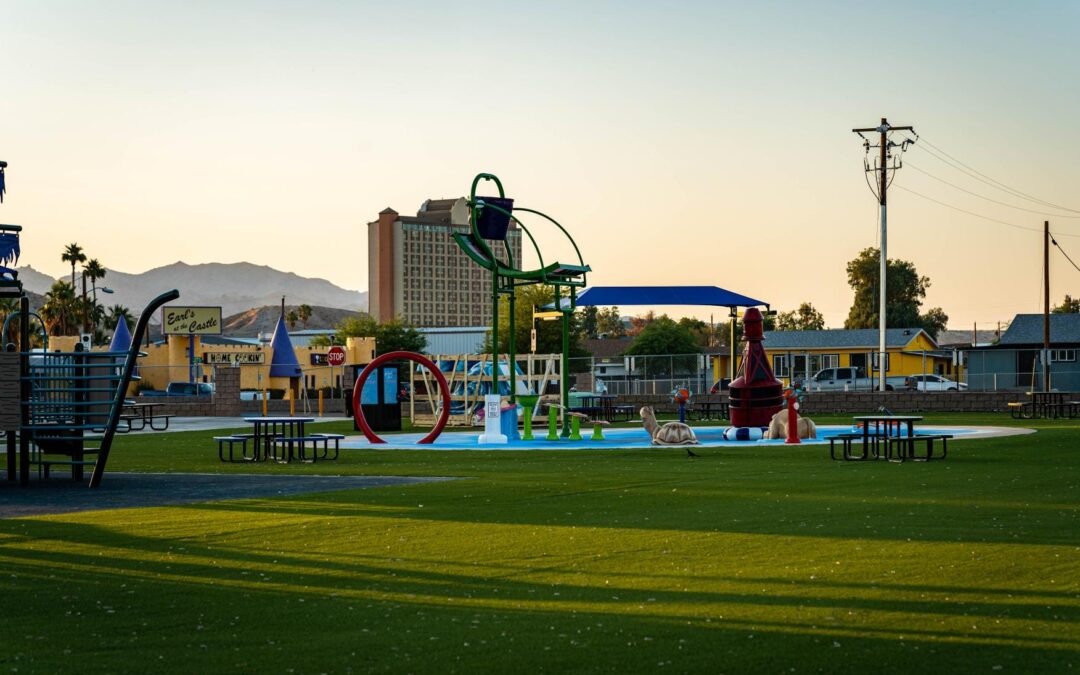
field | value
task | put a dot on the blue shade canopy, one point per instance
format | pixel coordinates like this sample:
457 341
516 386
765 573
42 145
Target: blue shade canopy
665 295
283 363
121 339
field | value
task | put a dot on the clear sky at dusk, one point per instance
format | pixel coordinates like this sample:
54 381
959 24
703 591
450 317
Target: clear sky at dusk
680 142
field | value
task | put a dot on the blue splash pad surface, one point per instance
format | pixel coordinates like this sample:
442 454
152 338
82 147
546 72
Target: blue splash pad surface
709 437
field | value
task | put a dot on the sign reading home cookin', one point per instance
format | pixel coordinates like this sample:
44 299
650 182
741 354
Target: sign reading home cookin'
234 358
191 320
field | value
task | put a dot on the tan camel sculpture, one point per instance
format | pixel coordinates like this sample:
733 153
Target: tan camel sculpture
672 433
778 426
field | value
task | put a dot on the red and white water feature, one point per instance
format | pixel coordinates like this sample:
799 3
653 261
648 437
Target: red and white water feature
755 395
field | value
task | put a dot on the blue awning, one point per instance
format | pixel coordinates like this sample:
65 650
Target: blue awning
665 295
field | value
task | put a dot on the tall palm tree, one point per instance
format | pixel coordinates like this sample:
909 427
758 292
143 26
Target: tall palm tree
73 254
291 318
94 271
61 310
304 312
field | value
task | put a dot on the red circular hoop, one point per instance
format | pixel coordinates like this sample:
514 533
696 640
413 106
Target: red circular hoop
444 388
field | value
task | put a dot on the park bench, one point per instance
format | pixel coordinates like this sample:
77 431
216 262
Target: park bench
230 442
909 443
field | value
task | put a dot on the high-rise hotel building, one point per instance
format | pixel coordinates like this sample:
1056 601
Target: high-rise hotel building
417 272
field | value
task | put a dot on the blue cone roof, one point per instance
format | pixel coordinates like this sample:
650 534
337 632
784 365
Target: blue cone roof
121 339
283 363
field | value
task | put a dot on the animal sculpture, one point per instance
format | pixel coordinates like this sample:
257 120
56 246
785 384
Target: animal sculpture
779 424
672 433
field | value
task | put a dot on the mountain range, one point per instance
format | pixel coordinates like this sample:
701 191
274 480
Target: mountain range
236 287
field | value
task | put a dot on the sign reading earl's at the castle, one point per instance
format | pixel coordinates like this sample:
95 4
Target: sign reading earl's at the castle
191 320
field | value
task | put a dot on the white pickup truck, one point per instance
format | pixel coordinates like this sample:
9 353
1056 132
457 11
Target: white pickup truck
854 379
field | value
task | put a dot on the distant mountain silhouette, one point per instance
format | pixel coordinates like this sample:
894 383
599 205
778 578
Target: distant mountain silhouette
236 287
263 320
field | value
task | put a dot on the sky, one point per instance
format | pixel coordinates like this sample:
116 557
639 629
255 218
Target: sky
681 143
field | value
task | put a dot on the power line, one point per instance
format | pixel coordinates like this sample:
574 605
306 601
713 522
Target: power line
1054 242
995 201
983 178
977 215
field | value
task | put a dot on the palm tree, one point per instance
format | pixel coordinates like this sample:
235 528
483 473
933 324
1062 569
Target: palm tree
61 309
304 312
291 318
73 254
114 314
94 271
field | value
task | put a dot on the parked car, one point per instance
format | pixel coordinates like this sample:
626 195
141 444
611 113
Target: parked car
253 395
854 379
937 383
182 389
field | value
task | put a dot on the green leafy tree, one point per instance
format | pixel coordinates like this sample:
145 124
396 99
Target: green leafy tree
664 337
62 309
609 323
1069 305
589 321
391 336
903 296
806 317
548 333
73 254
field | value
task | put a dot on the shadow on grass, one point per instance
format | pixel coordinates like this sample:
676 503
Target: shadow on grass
64 582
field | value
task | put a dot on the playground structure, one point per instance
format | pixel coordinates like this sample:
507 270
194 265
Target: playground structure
56 407
469 379
489 219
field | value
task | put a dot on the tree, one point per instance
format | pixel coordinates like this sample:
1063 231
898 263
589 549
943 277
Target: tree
703 333
663 337
112 317
1069 305
609 323
548 333
93 271
61 310
393 336
806 317
903 296
73 254
589 321
304 312
291 318
639 322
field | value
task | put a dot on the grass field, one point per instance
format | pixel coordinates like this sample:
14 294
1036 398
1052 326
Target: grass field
745 560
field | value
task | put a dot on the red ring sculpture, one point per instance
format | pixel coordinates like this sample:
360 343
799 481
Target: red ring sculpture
444 388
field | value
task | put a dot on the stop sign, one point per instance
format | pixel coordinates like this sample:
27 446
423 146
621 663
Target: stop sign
336 356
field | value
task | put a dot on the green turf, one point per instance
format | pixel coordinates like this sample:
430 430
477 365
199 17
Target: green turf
745 560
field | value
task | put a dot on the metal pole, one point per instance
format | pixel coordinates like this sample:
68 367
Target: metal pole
1045 305
884 257
512 344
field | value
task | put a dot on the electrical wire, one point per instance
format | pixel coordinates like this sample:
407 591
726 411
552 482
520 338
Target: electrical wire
1054 242
995 201
972 213
983 178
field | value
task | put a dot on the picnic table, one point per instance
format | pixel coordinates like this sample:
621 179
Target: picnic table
603 406
1051 404
708 410
879 435
268 430
142 414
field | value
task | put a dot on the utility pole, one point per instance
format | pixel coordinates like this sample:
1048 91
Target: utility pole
1046 306
885 164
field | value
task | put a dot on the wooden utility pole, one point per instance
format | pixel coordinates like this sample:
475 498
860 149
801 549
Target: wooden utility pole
1046 306
883 185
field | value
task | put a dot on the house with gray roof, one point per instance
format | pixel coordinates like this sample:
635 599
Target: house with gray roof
1016 361
908 351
